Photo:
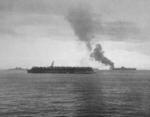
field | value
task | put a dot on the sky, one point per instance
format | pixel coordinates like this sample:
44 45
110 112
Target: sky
36 32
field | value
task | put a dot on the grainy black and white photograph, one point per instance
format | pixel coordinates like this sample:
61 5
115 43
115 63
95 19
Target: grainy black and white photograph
74 58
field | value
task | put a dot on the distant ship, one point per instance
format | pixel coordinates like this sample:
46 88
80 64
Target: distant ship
124 68
57 69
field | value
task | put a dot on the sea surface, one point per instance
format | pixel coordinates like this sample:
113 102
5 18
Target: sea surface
103 94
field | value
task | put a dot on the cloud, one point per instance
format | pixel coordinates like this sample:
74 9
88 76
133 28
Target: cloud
35 6
86 24
5 31
142 48
118 30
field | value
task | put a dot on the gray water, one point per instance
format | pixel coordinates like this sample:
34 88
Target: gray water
104 94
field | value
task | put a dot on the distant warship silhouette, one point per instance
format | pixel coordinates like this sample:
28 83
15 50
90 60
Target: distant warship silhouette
62 69
123 68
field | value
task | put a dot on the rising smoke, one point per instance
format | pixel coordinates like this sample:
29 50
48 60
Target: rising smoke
83 24
98 55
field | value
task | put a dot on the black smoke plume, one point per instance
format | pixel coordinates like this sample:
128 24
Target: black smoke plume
98 55
83 24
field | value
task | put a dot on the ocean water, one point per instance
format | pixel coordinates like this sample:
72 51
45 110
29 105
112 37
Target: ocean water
104 94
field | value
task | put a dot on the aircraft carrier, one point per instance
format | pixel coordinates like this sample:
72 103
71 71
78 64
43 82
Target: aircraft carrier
124 68
57 69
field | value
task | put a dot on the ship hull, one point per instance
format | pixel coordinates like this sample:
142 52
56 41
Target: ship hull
61 70
125 69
